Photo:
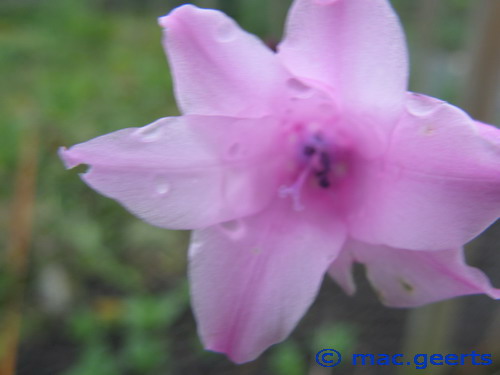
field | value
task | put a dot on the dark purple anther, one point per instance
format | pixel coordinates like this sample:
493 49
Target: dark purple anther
324 182
309 150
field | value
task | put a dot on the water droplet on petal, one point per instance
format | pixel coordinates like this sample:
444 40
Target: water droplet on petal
234 228
195 245
256 250
232 225
225 32
162 187
327 109
299 89
428 129
418 105
149 133
234 150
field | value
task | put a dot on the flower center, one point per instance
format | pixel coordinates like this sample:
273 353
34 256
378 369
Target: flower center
315 160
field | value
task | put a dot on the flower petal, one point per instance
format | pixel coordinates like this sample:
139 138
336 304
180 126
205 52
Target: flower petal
253 279
439 185
341 271
357 47
405 278
184 172
219 69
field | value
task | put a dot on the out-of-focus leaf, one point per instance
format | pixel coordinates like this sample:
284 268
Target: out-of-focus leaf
95 360
338 336
288 359
156 312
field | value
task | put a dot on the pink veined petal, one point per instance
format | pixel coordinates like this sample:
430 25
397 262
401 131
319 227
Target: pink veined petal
219 69
184 172
253 279
357 47
405 278
439 185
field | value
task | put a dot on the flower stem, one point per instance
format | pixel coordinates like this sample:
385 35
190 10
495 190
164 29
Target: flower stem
17 250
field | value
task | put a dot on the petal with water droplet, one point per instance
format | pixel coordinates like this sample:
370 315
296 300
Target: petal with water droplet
176 173
217 67
433 190
250 292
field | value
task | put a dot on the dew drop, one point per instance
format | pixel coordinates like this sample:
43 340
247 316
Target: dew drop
234 228
231 226
225 32
299 89
234 150
162 187
195 245
428 129
421 107
149 133
326 109
256 250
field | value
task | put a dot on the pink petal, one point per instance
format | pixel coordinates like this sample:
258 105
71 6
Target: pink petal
405 278
253 279
357 47
439 185
341 271
184 172
219 69
489 133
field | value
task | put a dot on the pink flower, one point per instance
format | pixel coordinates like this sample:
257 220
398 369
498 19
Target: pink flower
288 165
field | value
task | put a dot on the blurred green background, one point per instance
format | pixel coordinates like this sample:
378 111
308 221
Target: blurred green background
92 290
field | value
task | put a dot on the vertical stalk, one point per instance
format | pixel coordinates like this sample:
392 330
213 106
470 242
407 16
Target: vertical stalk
426 25
429 330
480 92
16 255
482 82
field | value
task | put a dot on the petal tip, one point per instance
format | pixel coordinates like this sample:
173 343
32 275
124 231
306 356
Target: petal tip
233 355
495 294
68 160
166 21
162 21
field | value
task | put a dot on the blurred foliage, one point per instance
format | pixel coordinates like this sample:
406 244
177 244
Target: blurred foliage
72 70
110 288
127 335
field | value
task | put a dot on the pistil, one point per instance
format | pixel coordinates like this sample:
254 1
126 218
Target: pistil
317 162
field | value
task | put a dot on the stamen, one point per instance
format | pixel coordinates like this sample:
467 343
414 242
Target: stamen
309 150
322 174
294 190
324 182
317 162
